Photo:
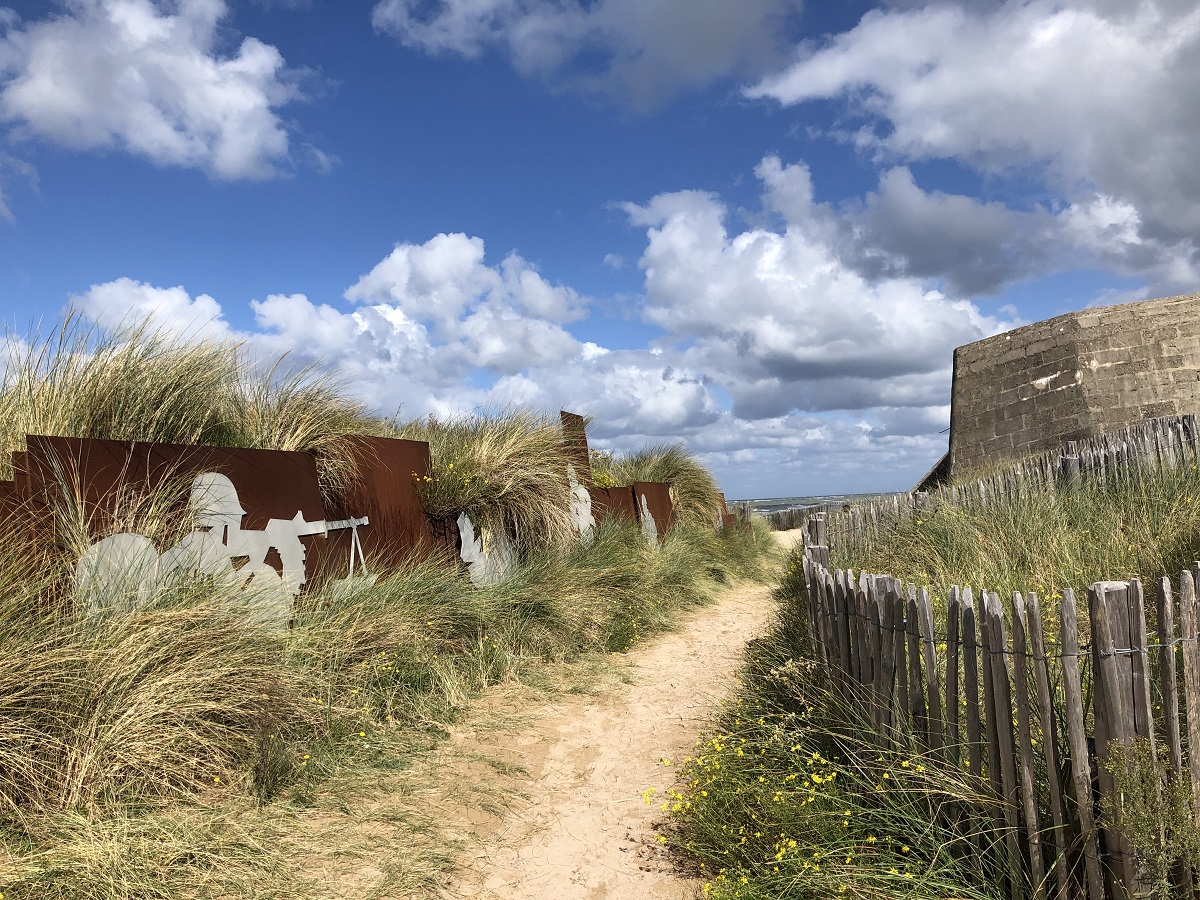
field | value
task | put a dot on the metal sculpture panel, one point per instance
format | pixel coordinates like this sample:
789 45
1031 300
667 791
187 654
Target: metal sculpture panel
256 513
385 491
613 503
488 553
582 516
655 511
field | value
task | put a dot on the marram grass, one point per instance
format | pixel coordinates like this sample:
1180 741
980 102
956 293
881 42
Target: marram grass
1145 527
165 752
122 385
694 492
136 384
506 470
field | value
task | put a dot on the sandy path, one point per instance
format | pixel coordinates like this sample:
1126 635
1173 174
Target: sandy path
581 763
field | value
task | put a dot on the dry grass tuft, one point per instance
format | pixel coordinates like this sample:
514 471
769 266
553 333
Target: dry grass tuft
155 704
694 491
507 471
131 384
301 410
167 853
140 385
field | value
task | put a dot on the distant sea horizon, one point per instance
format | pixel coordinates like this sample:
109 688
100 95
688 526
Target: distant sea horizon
764 505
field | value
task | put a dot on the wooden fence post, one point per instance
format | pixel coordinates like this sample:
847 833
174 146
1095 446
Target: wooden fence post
916 686
899 642
853 622
888 717
953 621
1143 706
1037 870
1108 605
1189 628
1168 676
933 691
842 631
1081 775
971 689
881 690
1041 671
1002 728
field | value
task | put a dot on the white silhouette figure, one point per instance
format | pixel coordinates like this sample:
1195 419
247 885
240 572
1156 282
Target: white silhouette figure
489 556
649 528
119 572
126 567
581 507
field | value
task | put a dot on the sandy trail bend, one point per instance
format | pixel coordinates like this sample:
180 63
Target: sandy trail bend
582 830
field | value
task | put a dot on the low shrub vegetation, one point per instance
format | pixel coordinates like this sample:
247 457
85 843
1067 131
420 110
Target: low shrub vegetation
790 797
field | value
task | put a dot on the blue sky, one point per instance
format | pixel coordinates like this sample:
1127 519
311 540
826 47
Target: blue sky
760 227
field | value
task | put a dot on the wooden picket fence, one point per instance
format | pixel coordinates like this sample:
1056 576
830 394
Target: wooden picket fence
981 684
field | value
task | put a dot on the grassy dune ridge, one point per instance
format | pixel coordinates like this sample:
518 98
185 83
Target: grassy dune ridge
180 750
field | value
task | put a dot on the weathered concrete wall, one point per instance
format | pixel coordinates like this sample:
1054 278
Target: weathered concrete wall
1073 376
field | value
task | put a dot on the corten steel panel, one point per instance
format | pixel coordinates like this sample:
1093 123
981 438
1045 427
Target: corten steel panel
447 540
9 501
658 500
385 491
576 444
613 503
271 484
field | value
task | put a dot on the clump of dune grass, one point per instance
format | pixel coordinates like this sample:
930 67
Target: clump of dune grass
694 492
273 408
138 384
384 649
162 853
159 703
506 470
130 384
1144 526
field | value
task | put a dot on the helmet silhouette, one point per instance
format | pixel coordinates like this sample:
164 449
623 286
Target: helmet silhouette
214 501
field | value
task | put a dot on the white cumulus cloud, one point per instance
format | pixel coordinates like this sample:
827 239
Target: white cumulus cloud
150 79
780 320
1098 99
126 303
773 351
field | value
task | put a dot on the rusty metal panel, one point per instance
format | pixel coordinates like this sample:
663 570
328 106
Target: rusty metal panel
657 498
447 539
615 503
10 502
270 484
385 491
576 443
